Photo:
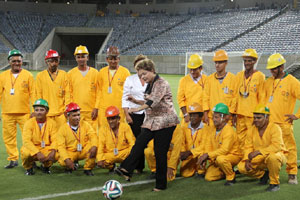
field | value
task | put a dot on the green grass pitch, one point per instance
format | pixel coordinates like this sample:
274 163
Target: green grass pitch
15 185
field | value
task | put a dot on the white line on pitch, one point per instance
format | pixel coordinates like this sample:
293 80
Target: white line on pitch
84 191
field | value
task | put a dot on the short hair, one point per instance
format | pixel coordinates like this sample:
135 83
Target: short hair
138 59
146 64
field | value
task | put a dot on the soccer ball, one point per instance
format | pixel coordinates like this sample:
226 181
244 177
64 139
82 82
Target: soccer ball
112 189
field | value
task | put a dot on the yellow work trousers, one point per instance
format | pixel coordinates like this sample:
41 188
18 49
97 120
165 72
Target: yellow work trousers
151 161
290 144
272 162
243 124
111 159
222 167
9 133
59 119
188 167
76 156
88 118
28 159
102 120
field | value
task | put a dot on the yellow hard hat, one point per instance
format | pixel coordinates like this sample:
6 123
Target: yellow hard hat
261 109
220 55
195 61
250 53
81 50
194 108
275 60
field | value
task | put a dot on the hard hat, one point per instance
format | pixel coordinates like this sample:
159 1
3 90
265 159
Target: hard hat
112 111
14 52
195 61
221 108
72 107
81 50
261 109
250 53
112 51
275 60
194 108
220 55
51 54
41 102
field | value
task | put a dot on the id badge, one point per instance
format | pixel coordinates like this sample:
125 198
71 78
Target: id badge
193 147
116 152
271 99
226 90
12 91
109 90
245 95
79 147
43 145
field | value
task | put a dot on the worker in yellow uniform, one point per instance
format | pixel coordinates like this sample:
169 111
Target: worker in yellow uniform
76 140
16 92
191 86
193 142
219 87
249 90
172 156
52 85
282 91
221 147
39 139
264 149
111 80
83 86
115 140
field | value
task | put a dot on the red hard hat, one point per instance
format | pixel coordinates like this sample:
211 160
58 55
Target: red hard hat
72 107
112 111
51 54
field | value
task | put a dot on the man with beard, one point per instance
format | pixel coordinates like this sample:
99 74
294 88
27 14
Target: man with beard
52 85
16 93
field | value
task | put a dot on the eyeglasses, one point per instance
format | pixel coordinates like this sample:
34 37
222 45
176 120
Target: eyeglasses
52 60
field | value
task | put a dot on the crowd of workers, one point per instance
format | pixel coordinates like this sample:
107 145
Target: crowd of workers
230 123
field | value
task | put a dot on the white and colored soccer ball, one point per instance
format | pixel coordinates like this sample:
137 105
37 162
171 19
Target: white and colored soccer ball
112 189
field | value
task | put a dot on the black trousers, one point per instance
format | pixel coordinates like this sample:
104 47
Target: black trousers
138 120
162 139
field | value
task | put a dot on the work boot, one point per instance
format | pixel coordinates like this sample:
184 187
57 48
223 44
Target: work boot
88 172
264 179
68 171
292 179
273 188
76 165
11 164
45 170
199 176
230 183
29 172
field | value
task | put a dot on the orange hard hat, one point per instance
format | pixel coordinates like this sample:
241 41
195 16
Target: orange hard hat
194 108
220 55
72 107
51 54
112 111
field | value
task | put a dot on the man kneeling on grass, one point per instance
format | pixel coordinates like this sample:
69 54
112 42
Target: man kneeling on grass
76 140
39 141
264 149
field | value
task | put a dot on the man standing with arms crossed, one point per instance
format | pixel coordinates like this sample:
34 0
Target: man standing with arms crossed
52 85
16 92
282 91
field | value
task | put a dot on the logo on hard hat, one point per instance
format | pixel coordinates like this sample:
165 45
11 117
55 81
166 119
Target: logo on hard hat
192 108
110 112
38 102
79 51
192 64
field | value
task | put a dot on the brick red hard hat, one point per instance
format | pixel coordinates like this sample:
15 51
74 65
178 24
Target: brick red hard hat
72 107
112 111
112 51
51 54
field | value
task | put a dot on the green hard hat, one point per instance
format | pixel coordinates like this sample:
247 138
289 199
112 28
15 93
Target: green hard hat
41 102
221 108
14 52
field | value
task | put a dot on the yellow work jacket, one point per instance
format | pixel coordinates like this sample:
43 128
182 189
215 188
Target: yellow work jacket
190 92
270 142
53 91
33 136
224 143
117 81
286 91
253 87
23 95
216 92
67 141
108 141
83 89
